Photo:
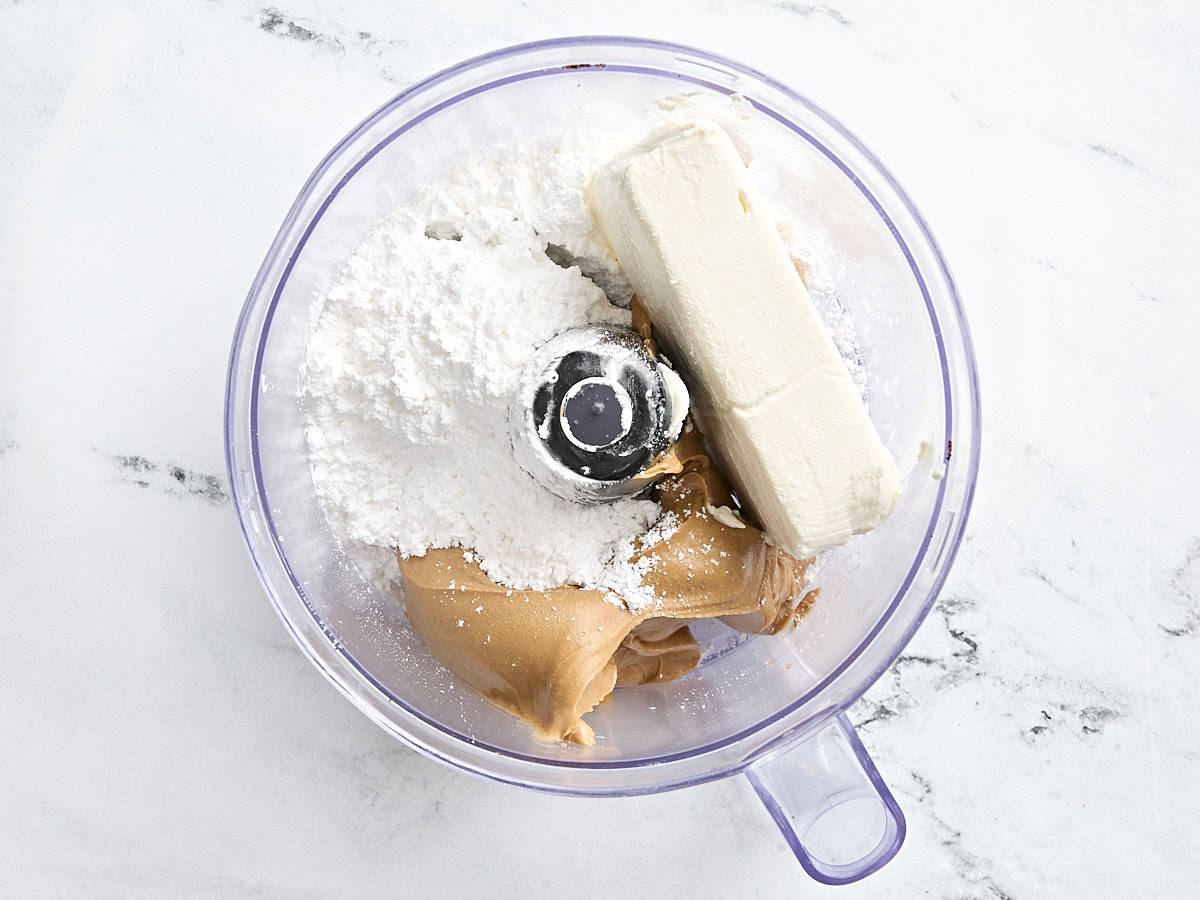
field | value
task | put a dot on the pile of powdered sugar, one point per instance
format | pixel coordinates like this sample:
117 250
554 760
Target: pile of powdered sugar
416 353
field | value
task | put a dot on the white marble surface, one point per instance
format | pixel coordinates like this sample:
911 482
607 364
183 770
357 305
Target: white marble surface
162 735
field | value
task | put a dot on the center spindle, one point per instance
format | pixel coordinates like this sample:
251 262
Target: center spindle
596 413
593 410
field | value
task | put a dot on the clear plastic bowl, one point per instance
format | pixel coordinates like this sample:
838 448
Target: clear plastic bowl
770 707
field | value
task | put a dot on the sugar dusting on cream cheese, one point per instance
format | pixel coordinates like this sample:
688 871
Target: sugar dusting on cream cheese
772 392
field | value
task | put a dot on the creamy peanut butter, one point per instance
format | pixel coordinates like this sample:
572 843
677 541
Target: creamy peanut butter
551 656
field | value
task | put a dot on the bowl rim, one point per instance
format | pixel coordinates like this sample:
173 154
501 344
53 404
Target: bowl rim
256 493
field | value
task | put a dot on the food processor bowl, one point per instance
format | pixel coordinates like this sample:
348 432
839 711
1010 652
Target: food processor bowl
770 707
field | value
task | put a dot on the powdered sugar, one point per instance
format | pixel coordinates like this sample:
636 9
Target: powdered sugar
626 582
804 248
416 353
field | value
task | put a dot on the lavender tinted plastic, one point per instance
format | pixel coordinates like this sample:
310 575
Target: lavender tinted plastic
811 783
753 697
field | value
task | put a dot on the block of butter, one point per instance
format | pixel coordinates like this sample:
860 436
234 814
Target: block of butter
771 391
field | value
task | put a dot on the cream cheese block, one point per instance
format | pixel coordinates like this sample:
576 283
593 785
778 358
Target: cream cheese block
768 384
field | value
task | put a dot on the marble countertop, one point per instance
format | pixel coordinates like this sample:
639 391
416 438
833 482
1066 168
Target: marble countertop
162 735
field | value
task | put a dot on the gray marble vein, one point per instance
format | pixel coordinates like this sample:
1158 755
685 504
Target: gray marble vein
808 10
170 478
332 36
1119 158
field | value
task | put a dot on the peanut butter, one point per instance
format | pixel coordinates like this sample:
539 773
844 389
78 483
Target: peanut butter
551 656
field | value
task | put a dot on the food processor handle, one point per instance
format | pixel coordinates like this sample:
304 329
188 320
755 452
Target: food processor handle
827 798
